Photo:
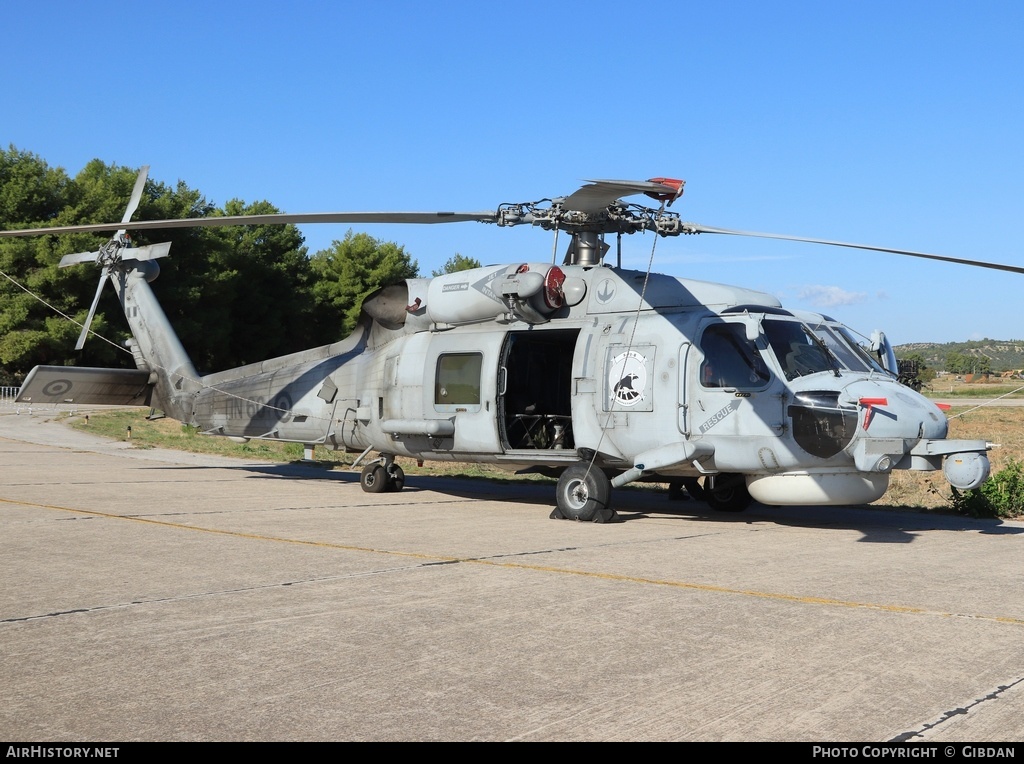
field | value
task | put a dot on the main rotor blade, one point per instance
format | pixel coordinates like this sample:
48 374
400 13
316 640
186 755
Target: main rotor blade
275 219
92 312
697 228
596 196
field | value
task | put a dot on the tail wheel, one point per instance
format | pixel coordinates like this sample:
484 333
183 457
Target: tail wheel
726 492
374 478
583 490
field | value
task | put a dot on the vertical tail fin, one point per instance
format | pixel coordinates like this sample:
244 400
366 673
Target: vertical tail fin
155 346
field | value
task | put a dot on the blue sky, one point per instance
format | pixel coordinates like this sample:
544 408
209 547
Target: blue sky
889 123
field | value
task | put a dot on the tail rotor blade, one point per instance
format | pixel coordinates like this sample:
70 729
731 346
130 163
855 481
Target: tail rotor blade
149 252
85 257
140 184
78 257
92 312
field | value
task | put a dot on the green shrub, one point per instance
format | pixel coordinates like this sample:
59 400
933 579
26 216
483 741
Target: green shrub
1002 495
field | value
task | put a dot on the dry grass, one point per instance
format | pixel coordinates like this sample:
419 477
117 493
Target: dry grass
1002 425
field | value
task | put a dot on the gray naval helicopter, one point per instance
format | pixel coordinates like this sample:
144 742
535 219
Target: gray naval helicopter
600 375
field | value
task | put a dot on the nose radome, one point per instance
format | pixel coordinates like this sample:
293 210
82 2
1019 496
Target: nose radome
904 413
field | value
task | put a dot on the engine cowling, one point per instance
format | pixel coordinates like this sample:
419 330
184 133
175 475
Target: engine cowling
531 291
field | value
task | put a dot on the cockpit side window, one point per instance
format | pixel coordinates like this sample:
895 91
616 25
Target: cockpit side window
862 352
730 359
798 351
838 347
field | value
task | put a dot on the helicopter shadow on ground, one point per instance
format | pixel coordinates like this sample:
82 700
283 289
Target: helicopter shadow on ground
524 492
876 525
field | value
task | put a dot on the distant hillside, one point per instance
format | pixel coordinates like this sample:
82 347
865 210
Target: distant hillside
1004 355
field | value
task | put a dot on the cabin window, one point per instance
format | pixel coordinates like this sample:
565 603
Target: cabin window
457 381
730 359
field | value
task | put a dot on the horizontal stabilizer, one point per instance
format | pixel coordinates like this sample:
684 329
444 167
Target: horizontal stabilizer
84 385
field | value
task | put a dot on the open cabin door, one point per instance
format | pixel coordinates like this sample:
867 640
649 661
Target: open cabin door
535 390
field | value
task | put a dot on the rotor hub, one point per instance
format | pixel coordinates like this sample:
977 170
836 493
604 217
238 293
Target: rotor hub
109 254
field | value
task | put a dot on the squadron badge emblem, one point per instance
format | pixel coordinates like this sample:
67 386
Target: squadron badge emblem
627 378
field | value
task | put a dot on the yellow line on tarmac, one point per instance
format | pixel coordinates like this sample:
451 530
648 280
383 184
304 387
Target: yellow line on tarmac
754 593
777 596
236 534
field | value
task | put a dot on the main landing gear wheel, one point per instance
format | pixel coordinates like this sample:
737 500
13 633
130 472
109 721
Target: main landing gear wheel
396 477
583 494
726 492
374 479
381 478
